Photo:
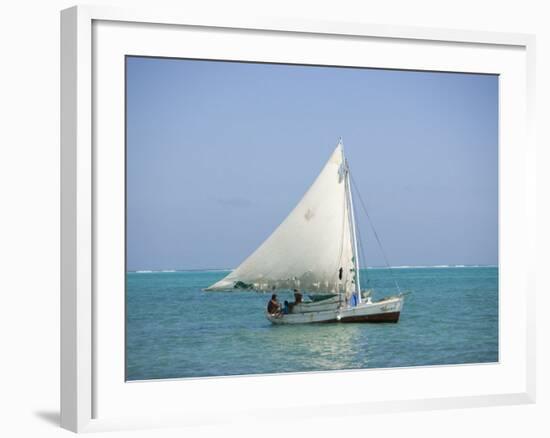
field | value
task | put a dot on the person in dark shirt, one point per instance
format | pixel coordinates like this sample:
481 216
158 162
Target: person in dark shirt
273 307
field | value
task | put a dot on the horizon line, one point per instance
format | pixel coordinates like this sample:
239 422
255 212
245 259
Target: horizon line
368 267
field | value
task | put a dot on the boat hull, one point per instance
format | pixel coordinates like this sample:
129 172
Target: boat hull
379 317
387 310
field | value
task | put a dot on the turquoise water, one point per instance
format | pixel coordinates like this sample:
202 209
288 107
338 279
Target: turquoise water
174 329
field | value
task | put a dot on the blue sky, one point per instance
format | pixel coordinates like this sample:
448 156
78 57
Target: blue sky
218 153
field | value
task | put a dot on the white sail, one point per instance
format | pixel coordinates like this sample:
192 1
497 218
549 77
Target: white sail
310 246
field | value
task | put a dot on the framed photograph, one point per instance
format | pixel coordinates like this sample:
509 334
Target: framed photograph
316 218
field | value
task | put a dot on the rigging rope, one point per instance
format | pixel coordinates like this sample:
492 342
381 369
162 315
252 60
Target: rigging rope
374 232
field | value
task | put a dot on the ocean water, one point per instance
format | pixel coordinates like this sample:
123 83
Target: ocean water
176 330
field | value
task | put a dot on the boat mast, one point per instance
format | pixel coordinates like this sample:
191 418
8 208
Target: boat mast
352 225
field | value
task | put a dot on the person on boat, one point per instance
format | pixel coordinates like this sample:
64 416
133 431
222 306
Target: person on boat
297 300
273 307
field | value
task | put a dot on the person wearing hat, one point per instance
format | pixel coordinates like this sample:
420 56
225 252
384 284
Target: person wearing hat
297 296
297 300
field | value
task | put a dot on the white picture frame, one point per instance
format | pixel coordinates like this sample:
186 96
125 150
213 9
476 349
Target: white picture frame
93 396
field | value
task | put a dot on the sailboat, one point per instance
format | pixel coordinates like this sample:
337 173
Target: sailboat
314 251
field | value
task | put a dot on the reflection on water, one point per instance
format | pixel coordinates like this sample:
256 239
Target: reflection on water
174 329
318 346
315 347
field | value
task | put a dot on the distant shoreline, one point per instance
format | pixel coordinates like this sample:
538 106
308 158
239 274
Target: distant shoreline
167 271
